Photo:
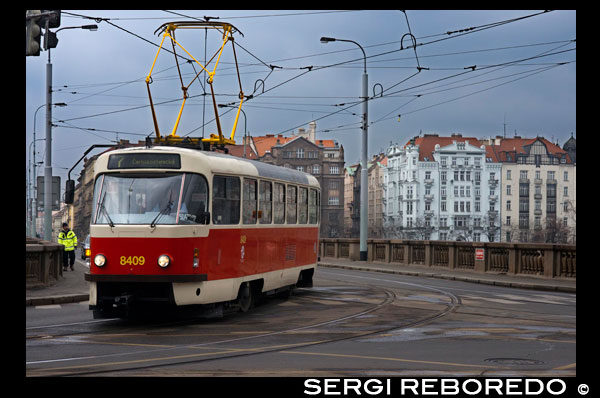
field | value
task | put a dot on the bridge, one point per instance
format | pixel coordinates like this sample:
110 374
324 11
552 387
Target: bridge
526 259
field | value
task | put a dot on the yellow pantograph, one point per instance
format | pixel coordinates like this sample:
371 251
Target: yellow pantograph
168 30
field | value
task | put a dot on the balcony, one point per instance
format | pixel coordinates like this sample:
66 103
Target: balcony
493 198
428 198
428 181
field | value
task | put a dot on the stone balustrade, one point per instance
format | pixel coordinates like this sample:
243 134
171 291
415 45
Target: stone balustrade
534 259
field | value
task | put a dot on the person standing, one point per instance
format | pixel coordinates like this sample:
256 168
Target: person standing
68 238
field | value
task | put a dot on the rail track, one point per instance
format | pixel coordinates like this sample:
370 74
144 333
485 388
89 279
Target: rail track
360 323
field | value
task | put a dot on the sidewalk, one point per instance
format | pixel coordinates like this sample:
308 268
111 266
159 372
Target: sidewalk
72 287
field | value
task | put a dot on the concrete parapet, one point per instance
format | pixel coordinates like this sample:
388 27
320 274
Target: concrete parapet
43 262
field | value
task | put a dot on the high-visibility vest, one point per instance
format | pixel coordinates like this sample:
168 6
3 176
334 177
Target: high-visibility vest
68 239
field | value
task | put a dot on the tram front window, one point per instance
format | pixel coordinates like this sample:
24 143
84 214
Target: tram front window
150 199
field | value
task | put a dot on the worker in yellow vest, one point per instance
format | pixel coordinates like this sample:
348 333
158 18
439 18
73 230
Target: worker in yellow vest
68 238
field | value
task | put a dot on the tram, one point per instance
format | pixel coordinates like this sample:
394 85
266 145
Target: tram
180 227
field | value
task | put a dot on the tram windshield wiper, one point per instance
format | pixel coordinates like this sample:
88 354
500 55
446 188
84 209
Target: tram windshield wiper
166 210
103 209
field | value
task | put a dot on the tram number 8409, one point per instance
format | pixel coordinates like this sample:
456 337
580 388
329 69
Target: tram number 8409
132 260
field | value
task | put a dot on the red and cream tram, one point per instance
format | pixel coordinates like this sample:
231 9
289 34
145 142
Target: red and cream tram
183 227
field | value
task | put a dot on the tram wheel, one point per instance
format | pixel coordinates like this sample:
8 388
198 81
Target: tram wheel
245 297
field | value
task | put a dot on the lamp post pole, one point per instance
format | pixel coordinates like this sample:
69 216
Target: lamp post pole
364 173
48 161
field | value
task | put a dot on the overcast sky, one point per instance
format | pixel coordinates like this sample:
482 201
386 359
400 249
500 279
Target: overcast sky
523 79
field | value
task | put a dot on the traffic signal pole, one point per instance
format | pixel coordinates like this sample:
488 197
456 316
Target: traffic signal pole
48 161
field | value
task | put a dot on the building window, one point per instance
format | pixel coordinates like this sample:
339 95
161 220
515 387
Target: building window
316 169
523 174
508 190
300 168
566 176
508 174
508 205
300 153
334 170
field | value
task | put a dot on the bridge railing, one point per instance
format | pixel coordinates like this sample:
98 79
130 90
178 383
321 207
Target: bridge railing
545 260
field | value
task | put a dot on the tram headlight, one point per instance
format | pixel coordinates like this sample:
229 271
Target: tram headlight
99 260
164 261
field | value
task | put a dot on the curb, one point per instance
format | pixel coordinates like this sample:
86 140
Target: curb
62 299
461 278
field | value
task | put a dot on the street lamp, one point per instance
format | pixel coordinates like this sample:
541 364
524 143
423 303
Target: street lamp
364 174
245 121
48 163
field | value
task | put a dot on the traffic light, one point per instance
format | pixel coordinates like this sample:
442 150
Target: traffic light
34 32
50 40
53 19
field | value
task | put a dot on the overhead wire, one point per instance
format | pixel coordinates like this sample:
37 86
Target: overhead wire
312 68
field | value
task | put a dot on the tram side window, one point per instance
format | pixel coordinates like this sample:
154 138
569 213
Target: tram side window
250 202
194 203
312 207
226 200
291 204
302 205
266 202
279 204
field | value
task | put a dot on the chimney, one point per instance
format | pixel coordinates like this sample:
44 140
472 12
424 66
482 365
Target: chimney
312 131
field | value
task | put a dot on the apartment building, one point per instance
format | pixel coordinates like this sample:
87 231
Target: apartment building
352 183
442 188
538 189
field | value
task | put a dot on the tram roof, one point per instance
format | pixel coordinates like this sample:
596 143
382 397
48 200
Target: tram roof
227 164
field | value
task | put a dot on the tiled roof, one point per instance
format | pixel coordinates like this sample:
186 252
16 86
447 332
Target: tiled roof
497 153
428 141
266 142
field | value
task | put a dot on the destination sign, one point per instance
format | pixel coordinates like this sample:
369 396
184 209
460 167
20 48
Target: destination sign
144 161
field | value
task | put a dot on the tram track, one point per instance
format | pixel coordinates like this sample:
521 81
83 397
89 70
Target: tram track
225 353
